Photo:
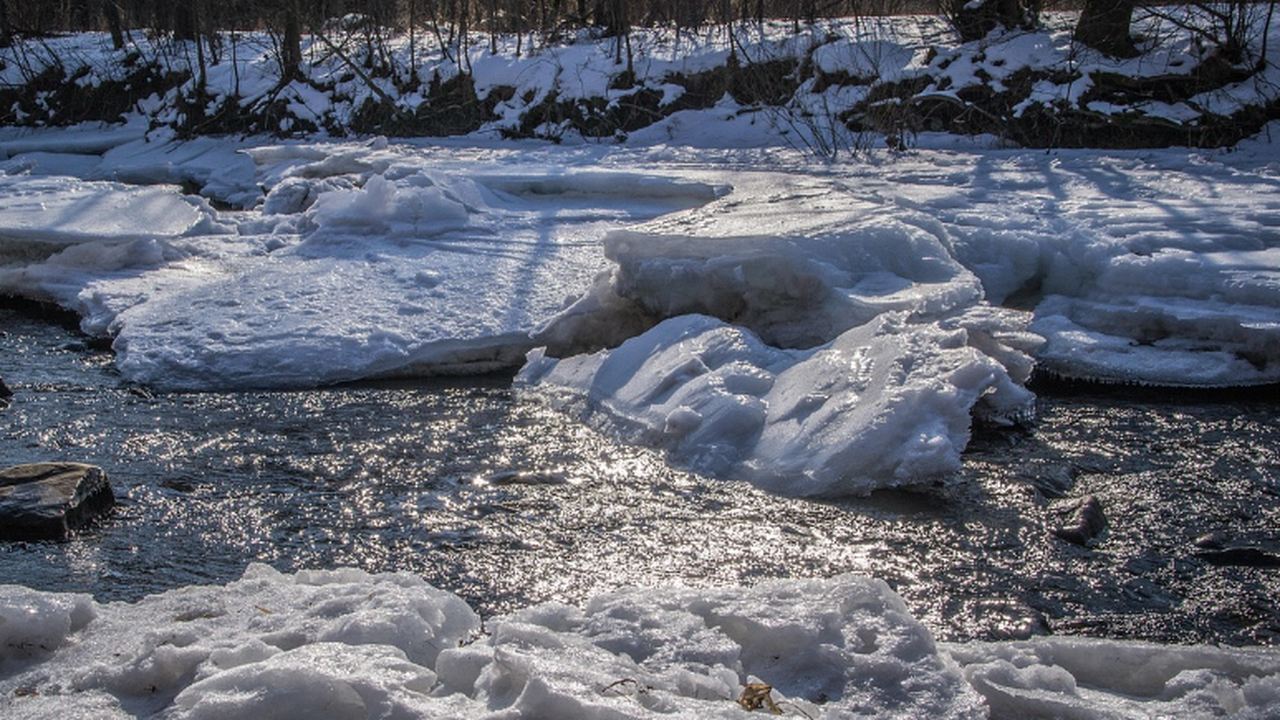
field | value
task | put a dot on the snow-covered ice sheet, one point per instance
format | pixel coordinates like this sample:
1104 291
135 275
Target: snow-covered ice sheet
1155 267
62 211
346 644
361 260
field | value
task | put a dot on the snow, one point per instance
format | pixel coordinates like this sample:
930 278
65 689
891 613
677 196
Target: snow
62 211
342 643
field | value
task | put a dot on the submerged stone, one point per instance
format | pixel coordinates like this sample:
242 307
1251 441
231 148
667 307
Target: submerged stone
1082 521
1240 556
47 501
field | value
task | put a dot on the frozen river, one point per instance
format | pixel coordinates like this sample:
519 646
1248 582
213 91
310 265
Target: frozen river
510 504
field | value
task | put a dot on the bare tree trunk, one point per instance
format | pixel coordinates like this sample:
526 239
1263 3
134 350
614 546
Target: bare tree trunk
186 21
111 12
162 16
291 44
81 15
413 41
1104 26
464 55
6 30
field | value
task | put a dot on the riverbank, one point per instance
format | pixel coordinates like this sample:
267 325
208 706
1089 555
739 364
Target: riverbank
829 87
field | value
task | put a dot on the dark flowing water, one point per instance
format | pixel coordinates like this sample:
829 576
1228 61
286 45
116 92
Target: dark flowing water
507 503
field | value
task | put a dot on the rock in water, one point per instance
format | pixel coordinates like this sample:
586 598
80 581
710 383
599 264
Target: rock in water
5 393
46 501
1081 521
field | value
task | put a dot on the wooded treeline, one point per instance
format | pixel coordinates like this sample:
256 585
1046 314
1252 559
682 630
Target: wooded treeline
376 82
191 17
1104 24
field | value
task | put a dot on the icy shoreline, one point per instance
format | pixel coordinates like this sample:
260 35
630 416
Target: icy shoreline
348 644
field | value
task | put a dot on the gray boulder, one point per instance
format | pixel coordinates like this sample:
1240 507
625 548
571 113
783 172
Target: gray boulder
47 501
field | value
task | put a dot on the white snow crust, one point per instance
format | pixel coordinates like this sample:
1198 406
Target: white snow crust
346 644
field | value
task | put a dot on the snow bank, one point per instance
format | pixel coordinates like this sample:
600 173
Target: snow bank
265 646
345 644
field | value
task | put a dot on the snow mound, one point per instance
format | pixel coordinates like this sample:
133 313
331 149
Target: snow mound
268 645
34 624
829 648
346 644
797 261
887 403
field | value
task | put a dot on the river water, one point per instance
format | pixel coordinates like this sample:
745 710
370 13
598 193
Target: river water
508 503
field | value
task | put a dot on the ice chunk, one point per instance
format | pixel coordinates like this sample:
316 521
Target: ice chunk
887 403
1164 274
62 211
1088 678
213 165
795 264
34 624
1174 318
381 206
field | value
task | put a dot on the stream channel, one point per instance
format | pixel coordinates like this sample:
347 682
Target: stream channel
508 503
